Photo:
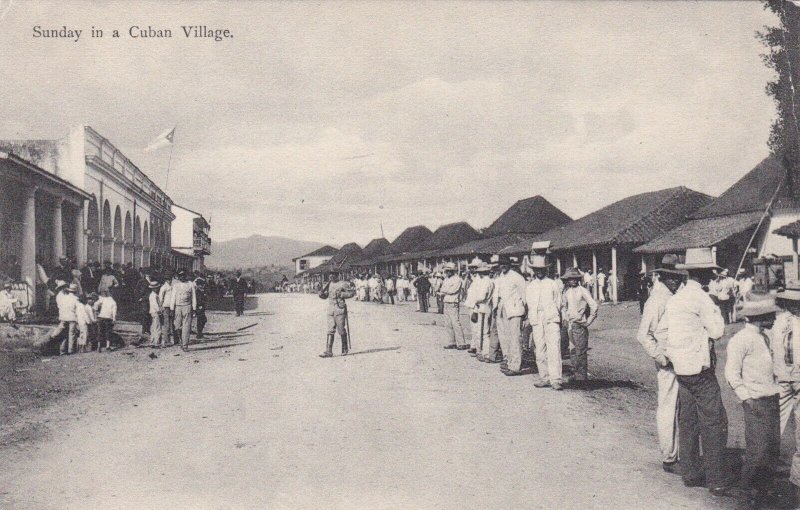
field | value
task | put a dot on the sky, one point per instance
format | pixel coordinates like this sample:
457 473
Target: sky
325 121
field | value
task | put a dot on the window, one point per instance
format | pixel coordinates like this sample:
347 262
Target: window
303 264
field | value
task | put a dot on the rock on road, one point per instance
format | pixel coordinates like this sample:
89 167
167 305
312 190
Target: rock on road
259 421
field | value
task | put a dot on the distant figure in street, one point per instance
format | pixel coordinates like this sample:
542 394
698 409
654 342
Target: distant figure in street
167 313
155 310
106 308
450 291
479 302
239 292
67 302
336 292
423 286
601 285
200 311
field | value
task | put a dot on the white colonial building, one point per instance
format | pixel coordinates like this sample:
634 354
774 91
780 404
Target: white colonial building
313 259
127 218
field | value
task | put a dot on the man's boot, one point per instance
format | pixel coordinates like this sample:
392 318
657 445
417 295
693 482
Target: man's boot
328 348
345 345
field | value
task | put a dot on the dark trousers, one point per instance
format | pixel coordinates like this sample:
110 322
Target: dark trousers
104 329
762 435
201 321
145 319
440 304
579 354
702 417
238 304
423 301
726 309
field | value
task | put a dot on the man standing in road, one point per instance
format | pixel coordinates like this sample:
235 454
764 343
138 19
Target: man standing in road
652 335
543 297
450 291
184 302
510 305
694 322
239 291
578 310
423 286
479 301
336 292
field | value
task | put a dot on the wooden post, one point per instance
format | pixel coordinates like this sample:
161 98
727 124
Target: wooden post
595 292
574 259
614 272
795 268
558 265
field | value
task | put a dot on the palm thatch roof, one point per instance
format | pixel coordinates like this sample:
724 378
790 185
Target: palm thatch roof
344 258
532 215
753 192
375 248
701 233
631 221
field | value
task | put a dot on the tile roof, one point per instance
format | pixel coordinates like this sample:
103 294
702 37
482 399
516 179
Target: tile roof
701 232
489 245
631 221
532 215
411 239
450 235
324 251
792 230
753 192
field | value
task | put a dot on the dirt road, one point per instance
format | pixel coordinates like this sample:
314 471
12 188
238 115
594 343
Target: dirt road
256 419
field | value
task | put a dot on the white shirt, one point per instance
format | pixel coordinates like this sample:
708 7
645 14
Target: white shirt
692 321
509 296
66 302
652 332
80 314
544 301
106 308
155 303
479 294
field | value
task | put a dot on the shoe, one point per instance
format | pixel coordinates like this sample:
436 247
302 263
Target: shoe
479 357
670 467
462 347
451 346
472 350
729 492
184 348
511 373
328 348
557 386
539 383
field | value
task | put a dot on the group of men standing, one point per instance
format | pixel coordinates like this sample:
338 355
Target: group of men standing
680 324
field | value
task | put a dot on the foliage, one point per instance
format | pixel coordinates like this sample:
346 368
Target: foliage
265 277
783 56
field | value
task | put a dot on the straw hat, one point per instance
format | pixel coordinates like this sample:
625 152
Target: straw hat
756 307
539 262
698 258
572 273
483 268
449 267
73 287
154 285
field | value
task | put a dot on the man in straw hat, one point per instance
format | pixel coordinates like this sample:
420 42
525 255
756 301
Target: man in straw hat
450 291
154 311
509 300
749 372
652 335
693 323
67 302
543 297
479 301
336 292
785 348
579 311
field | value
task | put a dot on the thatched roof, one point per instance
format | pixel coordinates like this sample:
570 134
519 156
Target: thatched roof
375 248
753 192
631 221
701 233
324 251
411 239
792 230
488 246
451 235
532 215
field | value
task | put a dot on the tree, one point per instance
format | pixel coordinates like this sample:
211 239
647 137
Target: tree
783 44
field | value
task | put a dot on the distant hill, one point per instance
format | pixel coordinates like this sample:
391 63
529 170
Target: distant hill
257 251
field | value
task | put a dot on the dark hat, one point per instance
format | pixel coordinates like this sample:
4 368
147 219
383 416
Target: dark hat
572 273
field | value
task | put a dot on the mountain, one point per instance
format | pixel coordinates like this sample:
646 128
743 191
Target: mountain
257 251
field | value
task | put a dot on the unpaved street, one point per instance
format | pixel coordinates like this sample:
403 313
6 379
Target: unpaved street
257 420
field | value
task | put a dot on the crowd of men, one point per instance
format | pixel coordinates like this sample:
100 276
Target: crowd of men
686 309
88 302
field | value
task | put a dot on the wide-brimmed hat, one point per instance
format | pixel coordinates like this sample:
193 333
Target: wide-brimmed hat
698 258
154 285
669 271
449 267
483 268
539 261
572 273
758 305
791 292
73 287
670 260
6 285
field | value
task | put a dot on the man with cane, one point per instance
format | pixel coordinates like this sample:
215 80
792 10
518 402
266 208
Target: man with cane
336 292
479 300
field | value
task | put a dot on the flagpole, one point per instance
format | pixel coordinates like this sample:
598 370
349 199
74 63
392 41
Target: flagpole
169 162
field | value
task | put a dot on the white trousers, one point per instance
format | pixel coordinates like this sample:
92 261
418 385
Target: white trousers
667 414
508 329
547 340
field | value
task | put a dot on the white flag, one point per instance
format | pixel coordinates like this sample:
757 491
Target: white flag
165 139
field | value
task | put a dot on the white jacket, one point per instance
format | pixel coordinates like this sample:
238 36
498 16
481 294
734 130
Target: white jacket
509 296
544 301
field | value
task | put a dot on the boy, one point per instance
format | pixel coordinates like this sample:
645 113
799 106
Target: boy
106 309
578 310
66 302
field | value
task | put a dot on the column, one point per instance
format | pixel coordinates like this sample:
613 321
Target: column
58 231
714 254
558 266
594 270
80 238
644 264
795 268
614 272
574 259
28 252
